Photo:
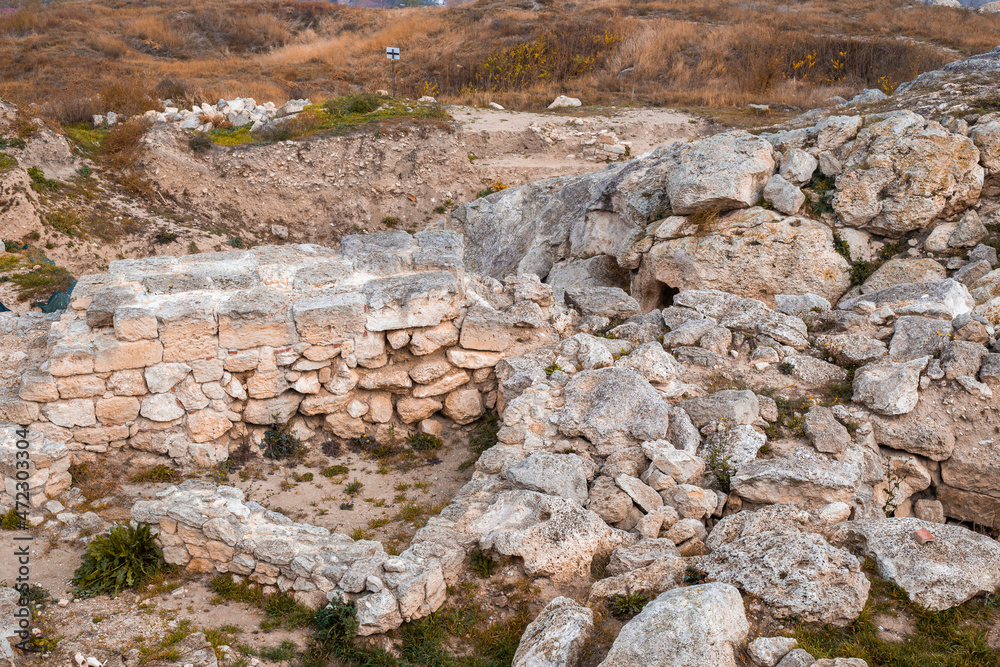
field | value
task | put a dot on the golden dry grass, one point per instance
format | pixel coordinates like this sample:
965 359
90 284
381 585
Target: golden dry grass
76 58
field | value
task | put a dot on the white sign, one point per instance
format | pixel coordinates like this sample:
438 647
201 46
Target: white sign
392 52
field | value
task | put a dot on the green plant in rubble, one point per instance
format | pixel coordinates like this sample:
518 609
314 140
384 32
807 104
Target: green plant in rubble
126 557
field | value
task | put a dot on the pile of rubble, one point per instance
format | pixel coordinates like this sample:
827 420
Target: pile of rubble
238 112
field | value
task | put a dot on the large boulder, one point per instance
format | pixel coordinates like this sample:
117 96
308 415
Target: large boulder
943 299
746 315
554 537
794 575
722 172
612 407
695 626
754 253
902 172
957 565
890 388
805 483
563 475
557 635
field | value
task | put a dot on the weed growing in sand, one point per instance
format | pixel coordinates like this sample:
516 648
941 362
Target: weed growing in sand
125 558
11 520
482 564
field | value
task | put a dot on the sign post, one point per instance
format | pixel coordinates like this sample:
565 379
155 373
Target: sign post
392 53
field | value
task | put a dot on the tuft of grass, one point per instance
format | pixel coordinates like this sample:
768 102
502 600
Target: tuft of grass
281 610
390 221
354 488
286 650
7 163
159 473
482 564
11 520
42 282
424 442
335 471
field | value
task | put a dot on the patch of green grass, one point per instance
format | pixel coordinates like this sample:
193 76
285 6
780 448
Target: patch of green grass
88 140
482 564
952 638
354 488
16 142
553 368
281 609
43 281
9 262
719 466
164 237
824 188
236 242
159 473
424 442
39 183
390 221
286 650
335 471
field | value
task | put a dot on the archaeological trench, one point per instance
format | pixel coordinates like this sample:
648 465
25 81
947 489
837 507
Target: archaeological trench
640 331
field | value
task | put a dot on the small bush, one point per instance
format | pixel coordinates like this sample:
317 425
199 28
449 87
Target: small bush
280 443
165 237
719 466
625 606
125 558
390 221
354 488
236 242
336 623
786 367
42 282
424 442
331 448
347 507
482 564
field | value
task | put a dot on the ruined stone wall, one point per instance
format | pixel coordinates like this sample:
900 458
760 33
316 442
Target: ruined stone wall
185 357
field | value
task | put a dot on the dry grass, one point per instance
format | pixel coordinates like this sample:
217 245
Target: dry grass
74 57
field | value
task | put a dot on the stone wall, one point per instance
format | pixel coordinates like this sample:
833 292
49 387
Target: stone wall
209 528
185 357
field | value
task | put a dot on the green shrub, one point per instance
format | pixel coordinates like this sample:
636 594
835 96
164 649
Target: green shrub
786 367
336 623
164 237
125 558
390 221
236 242
719 466
280 443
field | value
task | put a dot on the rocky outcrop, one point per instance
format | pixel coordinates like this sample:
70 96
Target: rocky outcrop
556 637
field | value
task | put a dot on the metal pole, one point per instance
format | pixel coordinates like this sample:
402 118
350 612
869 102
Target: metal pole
394 79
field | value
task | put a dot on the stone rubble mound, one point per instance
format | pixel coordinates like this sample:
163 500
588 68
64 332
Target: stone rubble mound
204 117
